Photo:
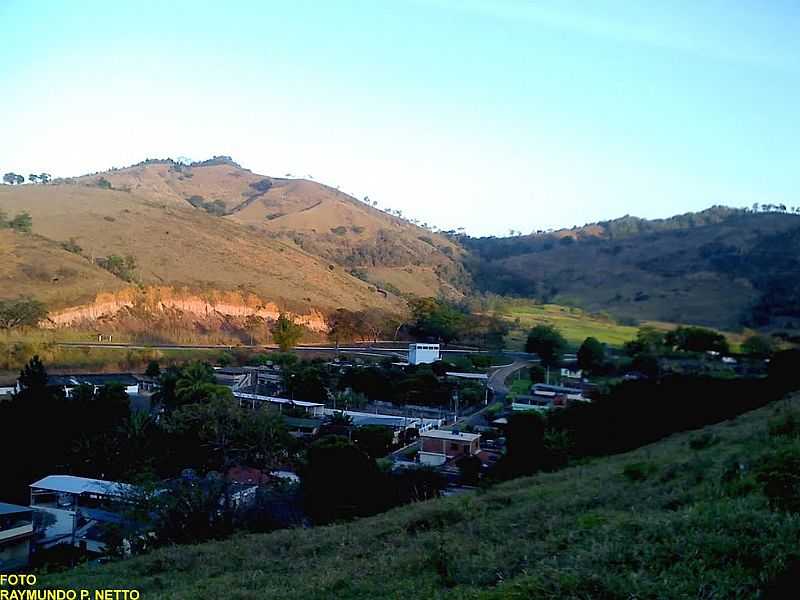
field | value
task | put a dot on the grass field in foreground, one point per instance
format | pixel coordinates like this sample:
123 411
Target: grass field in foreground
662 521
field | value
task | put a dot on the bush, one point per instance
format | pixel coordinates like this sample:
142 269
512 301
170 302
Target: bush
638 471
779 475
72 246
703 440
786 425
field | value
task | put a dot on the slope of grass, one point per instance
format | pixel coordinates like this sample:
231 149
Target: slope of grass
576 324
664 521
710 275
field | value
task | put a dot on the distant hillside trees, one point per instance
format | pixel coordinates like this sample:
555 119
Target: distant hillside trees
122 267
758 346
262 185
215 207
40 178
13 179
286 333
22 312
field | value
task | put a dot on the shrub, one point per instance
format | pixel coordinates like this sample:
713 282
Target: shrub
703 440
262 185
787 425
638 471
779 475
103 183
72 246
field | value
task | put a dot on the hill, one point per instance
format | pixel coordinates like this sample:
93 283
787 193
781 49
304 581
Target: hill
35 266
215 227
681 518
384 249
723 268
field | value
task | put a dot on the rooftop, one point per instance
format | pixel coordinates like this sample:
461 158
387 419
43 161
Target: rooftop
275 400
443 434
92 379
69 484
481 376
12 509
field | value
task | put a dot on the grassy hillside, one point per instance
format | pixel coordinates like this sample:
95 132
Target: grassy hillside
681 518
737 268
314 217
31 265
575 324
181 246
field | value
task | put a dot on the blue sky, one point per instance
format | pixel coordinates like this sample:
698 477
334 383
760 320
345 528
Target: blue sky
491 115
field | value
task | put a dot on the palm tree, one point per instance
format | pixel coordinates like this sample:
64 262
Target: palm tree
194 383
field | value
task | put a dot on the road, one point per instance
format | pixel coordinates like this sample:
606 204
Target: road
365 349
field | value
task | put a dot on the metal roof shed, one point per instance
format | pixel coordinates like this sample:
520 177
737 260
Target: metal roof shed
69 484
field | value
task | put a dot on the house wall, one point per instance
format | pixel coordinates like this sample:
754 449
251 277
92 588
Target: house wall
423 353
448 448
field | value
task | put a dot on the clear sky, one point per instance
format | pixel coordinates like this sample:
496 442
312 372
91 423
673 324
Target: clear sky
487 114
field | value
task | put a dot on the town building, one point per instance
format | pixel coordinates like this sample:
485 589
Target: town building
423 353
16 532
253 401
95 380
438 446
78 509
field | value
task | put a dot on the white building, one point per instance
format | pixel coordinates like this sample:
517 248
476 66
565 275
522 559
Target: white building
423 353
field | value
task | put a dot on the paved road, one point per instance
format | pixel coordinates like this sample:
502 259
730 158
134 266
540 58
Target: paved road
497 380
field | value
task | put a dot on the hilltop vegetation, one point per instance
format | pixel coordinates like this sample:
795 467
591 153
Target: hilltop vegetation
691 516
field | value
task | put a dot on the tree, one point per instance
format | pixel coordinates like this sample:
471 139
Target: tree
153 369
207 432
648 341
286 332
339 481
305 381
13 178
374 440
195 383
22 312
591 355
436 319
758 346
525 435
22 222
44 177
546 342
343 325
33 178
696 339
469 467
